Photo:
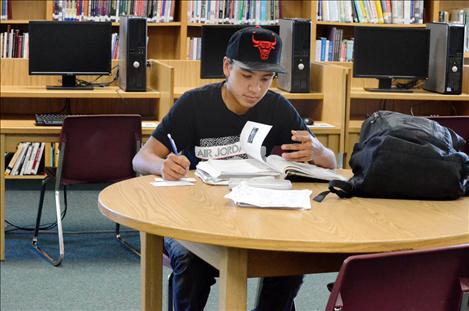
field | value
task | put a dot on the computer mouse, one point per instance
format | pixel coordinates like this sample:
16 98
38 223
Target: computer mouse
308 121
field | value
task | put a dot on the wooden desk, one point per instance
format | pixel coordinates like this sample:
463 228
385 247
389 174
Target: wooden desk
13 132
250 242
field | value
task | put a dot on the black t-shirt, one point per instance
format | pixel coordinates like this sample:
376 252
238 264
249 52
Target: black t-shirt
203 127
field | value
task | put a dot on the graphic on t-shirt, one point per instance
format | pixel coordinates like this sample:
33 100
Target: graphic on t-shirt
219 148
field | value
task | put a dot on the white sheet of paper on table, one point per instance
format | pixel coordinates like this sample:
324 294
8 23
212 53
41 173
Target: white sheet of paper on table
244 195
160 182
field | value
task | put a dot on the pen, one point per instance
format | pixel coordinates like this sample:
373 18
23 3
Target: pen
173 144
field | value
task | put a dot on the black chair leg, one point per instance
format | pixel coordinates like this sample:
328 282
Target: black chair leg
39 210
126 244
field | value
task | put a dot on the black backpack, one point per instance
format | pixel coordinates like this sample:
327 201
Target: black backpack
402 156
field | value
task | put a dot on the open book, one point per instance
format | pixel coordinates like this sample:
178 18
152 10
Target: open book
253 134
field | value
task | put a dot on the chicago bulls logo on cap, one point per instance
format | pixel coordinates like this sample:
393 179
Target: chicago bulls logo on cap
264 46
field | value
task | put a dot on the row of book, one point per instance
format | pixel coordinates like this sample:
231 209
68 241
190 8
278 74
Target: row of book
334 48
14 44
156 11
26 160
194 45
371 11
324 51
265 12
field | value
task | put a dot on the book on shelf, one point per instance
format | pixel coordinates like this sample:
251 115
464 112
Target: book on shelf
13 160
157 11
215 171
5 9
262 12
371 11
20 160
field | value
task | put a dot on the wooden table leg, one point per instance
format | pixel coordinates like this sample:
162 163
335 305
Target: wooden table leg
2 197
233 280
151 271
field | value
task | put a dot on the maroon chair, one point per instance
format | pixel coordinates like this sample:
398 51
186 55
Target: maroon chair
434 279
93 149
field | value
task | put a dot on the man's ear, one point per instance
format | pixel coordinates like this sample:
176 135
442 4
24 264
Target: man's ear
226 67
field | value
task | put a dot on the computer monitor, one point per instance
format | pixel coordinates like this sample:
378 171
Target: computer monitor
69 49
213 48
390 53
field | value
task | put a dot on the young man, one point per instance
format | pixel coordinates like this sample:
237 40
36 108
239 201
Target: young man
206 123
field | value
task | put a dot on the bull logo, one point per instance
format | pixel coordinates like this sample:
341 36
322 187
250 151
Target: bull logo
264 46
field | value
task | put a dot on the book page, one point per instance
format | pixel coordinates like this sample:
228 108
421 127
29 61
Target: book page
303 169
251 139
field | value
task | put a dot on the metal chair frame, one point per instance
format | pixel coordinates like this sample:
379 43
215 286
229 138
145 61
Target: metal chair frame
60 234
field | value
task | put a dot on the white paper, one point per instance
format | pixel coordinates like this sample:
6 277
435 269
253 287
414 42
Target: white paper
244 195
149 124
251 139
186 181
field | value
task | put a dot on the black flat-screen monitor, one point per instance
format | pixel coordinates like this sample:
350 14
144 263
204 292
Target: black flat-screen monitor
213 47
390 53
69 49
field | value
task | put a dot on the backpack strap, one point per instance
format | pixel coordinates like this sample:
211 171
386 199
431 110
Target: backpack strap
343 189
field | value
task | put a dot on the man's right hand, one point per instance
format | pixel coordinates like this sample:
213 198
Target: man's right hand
175 167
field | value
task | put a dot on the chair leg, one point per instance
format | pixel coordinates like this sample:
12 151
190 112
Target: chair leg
126 244
35 242
170 292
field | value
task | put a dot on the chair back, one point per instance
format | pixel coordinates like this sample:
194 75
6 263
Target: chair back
434 279
98 148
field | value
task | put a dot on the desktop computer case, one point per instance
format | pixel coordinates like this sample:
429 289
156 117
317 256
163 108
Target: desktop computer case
132 53
445 67
295 35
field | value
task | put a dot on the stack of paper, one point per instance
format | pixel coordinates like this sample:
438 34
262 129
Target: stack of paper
244 195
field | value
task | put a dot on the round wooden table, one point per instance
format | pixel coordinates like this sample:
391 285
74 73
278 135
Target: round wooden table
251 242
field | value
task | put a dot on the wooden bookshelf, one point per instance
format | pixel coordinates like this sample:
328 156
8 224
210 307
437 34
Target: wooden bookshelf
169 40
431 9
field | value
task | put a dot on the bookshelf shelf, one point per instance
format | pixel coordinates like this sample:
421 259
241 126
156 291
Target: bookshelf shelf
418 94
26 177
30 91
321 23
15 22
165 24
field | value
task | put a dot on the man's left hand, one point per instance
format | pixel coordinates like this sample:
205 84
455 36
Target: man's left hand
306 149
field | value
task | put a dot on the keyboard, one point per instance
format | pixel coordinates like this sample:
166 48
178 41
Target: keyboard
50 119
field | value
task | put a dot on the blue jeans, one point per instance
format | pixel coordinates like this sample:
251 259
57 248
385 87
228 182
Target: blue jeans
192 278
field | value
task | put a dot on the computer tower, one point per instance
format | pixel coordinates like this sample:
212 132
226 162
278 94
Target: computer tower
446 60
132 53
295 34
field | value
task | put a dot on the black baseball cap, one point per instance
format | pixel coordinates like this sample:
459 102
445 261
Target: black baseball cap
256 49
